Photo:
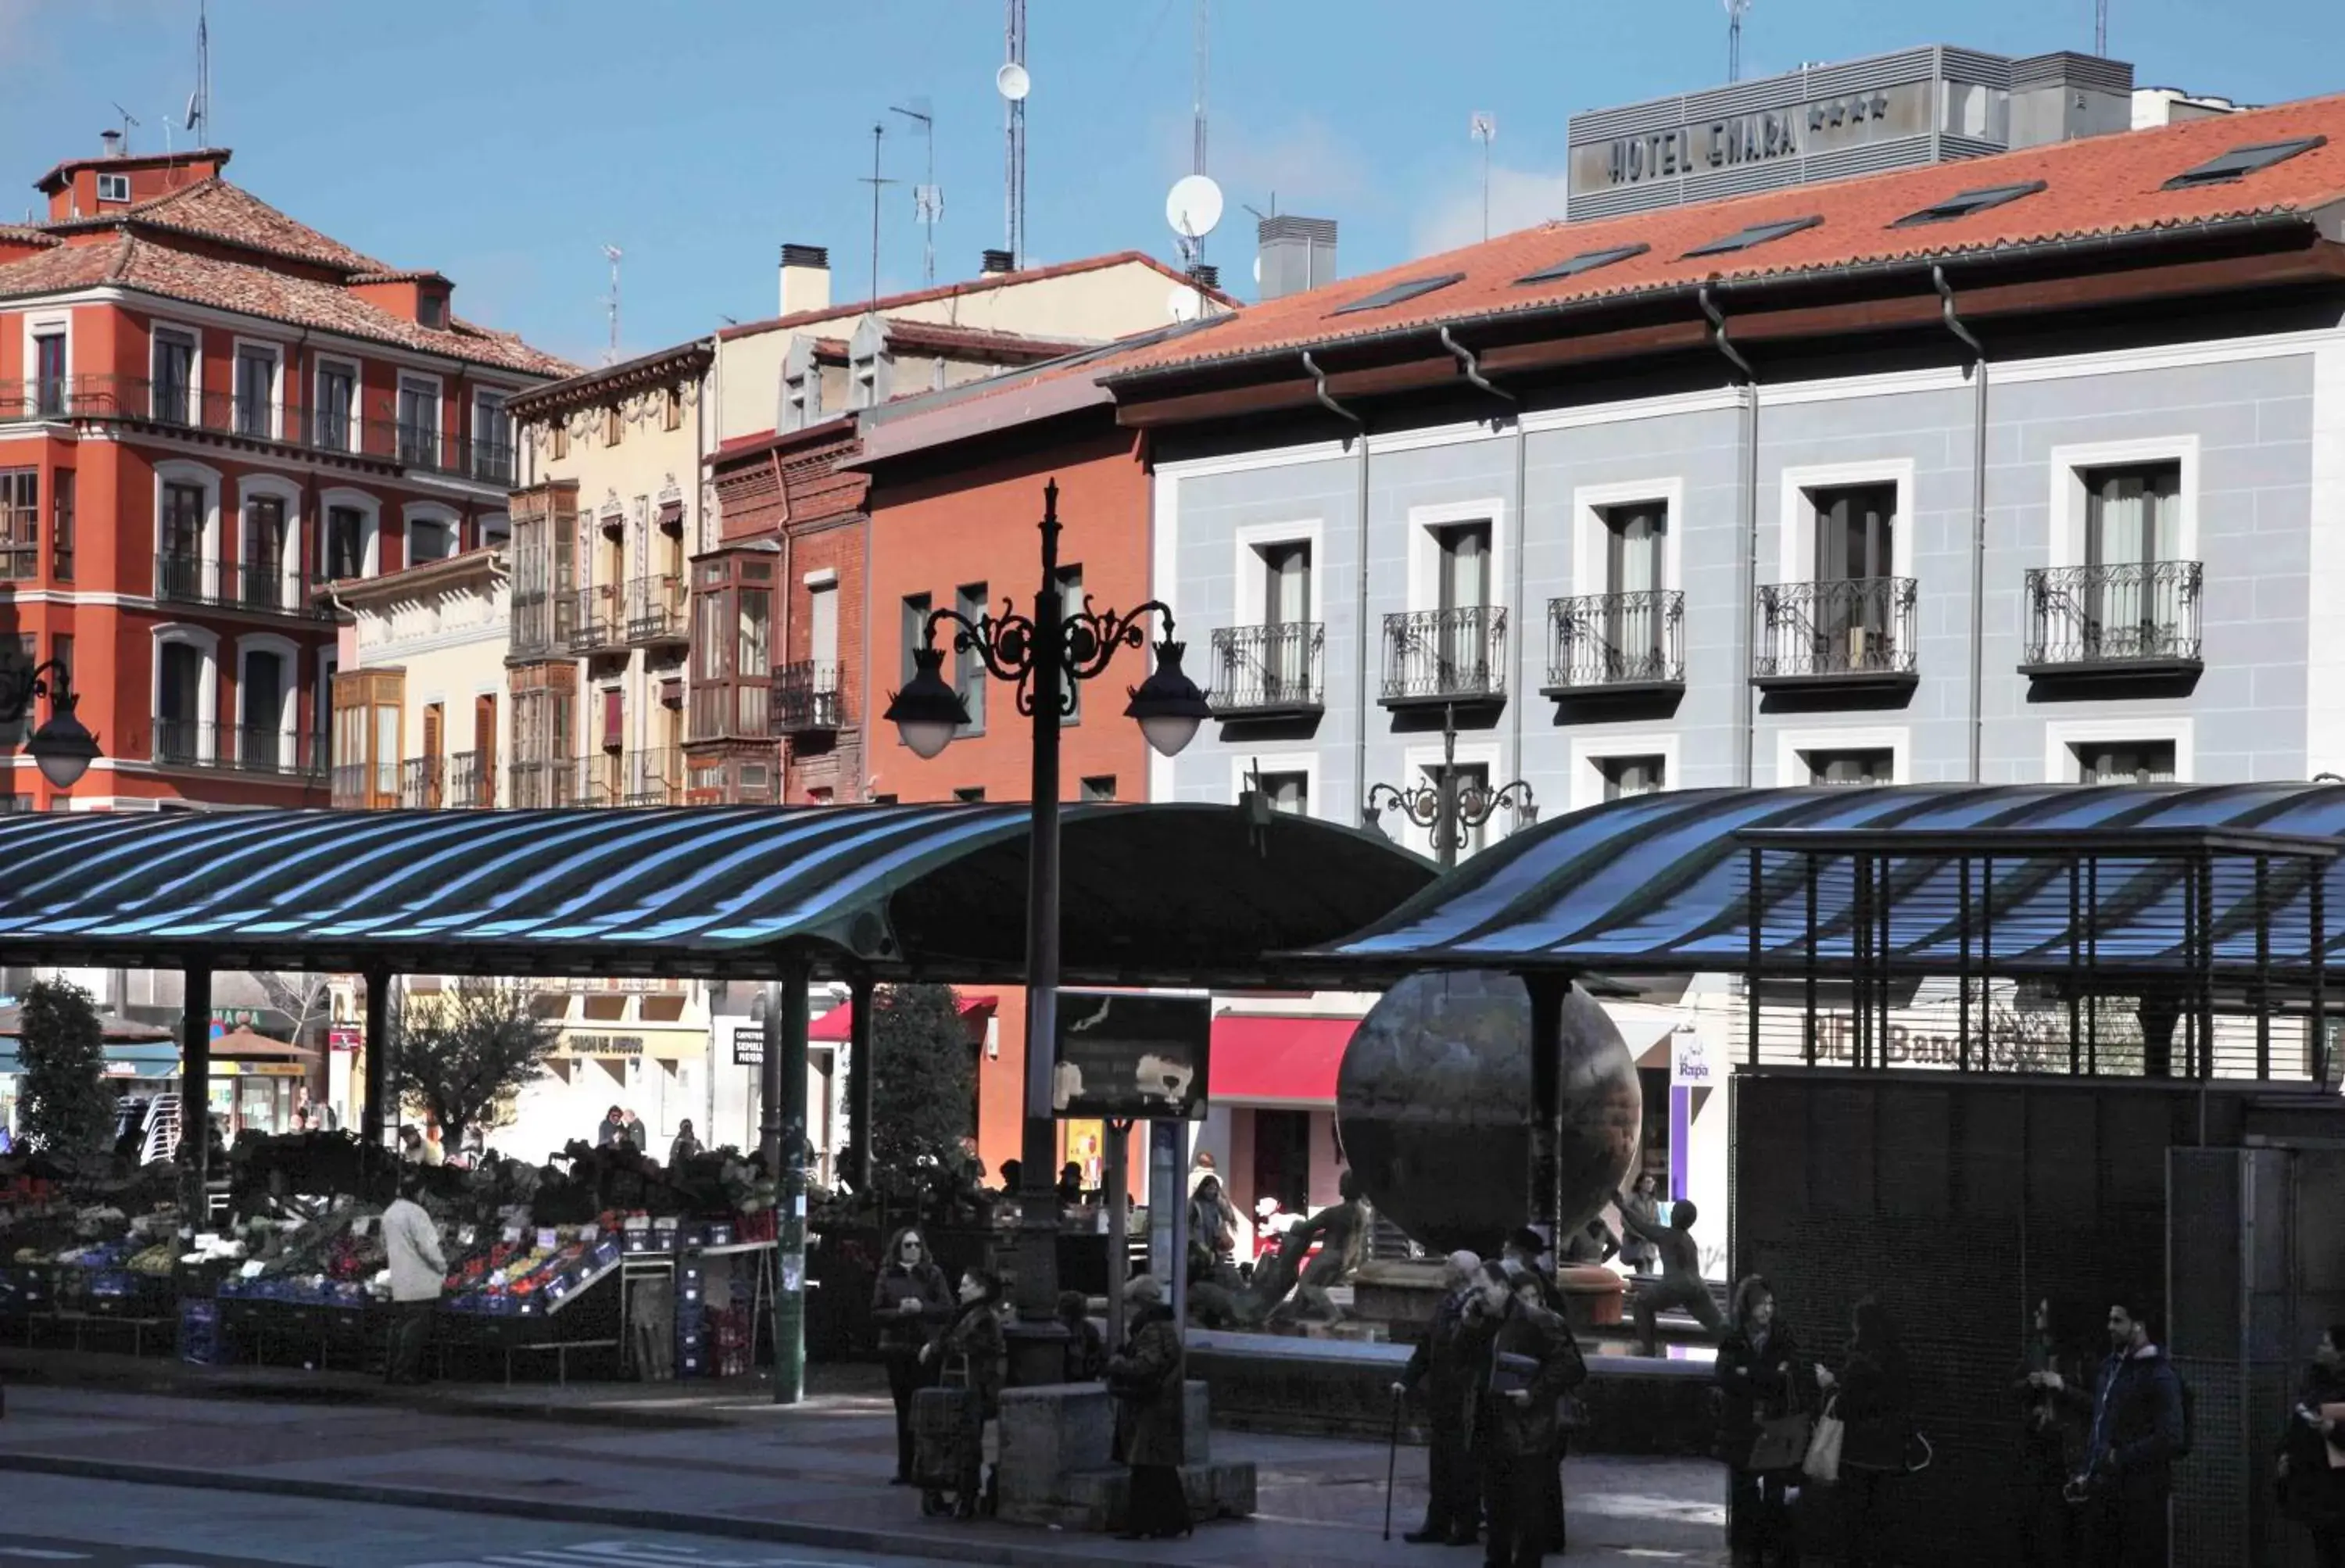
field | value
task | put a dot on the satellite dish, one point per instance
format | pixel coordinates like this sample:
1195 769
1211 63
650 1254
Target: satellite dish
1183 303
1257 271
1012 81
1194 206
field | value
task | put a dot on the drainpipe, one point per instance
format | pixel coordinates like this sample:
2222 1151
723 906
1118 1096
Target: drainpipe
1360 629
1747 572
1471 369
1978 514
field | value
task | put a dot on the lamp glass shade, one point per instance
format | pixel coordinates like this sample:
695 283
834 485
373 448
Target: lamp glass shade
64 749
1168 706
1169 733
926 737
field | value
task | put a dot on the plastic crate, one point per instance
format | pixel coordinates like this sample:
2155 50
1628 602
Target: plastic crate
201 1343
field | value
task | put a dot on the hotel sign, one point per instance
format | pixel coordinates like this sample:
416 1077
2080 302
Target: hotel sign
1708 146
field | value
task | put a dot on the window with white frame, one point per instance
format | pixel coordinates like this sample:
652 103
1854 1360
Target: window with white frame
173 389
1856 766
334 422
114 188
255 391
492 444
2123 761
1629 776
430 539
49 379
1289 793
419 422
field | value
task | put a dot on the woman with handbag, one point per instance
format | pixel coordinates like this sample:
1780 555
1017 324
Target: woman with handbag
1146 1378
910 1304
2312 1487
1872 1398
971 1348
1763 1398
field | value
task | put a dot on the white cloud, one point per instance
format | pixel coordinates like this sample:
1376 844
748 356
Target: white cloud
1519 198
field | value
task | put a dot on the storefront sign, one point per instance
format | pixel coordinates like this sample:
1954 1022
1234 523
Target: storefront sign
1689 1063
345 1038
748 1045
577 1044
1121 1054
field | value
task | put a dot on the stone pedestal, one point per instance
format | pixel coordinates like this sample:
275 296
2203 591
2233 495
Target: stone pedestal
1058 1464
1592 1295
1399 1294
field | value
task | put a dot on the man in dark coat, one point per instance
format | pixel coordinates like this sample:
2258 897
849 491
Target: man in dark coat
1533 1363
2312 1489
1151 1404
1450 1365
2129 1450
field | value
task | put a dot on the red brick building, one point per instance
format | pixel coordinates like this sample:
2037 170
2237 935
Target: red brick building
208 412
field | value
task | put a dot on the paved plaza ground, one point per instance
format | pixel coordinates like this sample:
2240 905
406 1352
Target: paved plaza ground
715 1462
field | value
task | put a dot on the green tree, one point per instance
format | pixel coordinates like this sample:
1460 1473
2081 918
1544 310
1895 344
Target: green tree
923 1090
67 1112
460 1054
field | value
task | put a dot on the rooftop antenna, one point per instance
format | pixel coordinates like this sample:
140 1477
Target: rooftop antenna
876 183
1197 91
129 123
928 197
2101 28
611 354
1013 84
1484 126
199 102
1735 10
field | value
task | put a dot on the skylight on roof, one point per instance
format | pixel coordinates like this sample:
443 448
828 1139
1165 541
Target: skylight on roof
1967 203
1757 234
1394 294
1586 261
2243 161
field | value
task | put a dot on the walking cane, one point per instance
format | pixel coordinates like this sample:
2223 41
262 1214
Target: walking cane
1392 1461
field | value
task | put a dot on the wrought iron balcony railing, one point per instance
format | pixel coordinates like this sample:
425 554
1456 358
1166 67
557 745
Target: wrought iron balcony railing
20 563
540 782
1598 642
262 586
261 751
1277 669
2134 615
412 443
655 610
469 782
654 778
1445 655
806 697
595 620
421 780
1857 631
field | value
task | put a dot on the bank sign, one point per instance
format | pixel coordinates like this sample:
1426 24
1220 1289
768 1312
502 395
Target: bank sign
1698 147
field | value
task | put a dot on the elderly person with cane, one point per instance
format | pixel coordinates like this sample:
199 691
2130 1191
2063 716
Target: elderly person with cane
1448 1365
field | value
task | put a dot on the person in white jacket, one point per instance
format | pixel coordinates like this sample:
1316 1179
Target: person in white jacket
417 1269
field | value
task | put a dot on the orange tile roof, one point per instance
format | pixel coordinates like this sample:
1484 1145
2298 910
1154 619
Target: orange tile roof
216 210
26 234
2108 185
977 285
134 262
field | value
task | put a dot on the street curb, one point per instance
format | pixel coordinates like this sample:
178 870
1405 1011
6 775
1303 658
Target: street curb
830 1537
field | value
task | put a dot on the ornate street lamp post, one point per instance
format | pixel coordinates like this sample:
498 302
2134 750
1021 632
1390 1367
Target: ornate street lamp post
62 747
1449 806
1046 656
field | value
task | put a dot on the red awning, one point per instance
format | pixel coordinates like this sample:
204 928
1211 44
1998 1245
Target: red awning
835 1026
1268 1059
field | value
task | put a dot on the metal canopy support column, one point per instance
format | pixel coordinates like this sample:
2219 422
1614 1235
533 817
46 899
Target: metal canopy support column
2263 968
2204 1011
195 1098
2093 965
1808 1025
1115 1192
2316 1053
2076 961
1963 965
1751 975
860 1075
1548 992
786 1060
374 1121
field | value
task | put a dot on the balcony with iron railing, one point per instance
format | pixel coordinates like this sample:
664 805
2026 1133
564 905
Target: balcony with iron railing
538 783
262 587
2134 618
335 431
1615 644
807 698
1434 657
471 783
421 782
250 750
655 610
1848 634
595 624
1277 670
654 778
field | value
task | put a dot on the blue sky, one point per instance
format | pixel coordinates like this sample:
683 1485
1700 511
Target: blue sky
506 141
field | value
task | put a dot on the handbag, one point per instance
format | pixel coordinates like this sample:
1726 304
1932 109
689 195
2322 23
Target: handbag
1823 1463
1780 1445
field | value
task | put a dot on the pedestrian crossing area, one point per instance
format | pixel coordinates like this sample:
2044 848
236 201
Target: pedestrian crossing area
643 1555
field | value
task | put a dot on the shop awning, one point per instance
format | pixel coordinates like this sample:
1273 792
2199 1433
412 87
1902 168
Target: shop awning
123 1061
1277 1060
836 1026
243 1043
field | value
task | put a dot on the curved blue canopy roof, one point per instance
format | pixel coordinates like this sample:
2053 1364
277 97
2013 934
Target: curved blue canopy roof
1660 883
1163 894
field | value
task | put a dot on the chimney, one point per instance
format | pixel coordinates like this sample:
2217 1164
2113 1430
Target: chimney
2062 96
994 262
806 279
109 144
1292 254
1205 275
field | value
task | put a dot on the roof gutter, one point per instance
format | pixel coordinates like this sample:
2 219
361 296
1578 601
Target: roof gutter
1319 391
1917 267
1472 367
1746 564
